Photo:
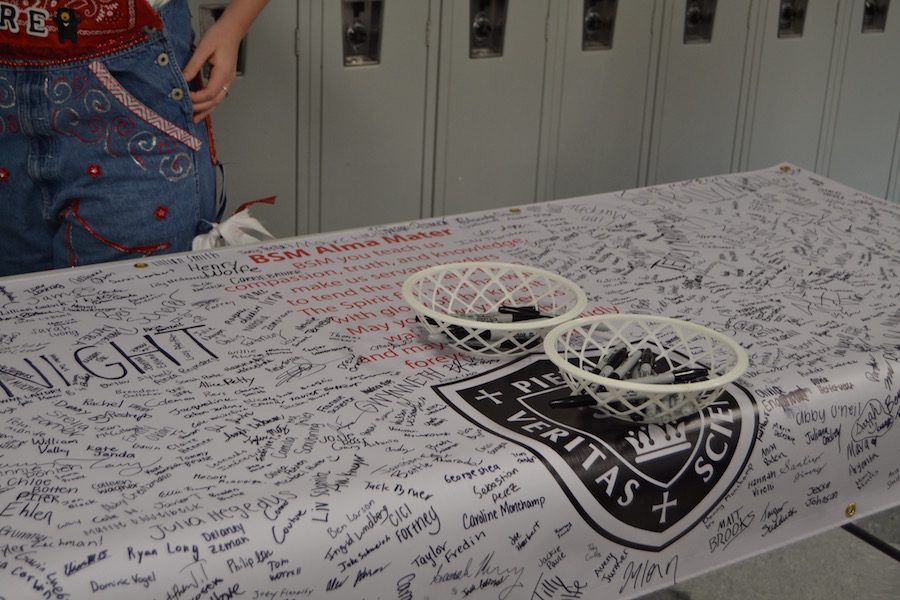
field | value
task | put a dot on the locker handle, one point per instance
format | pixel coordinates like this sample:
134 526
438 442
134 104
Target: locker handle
357 34
694 16
791 18
482 27
875 15
487 19
361 22
593 22
699 17
599 24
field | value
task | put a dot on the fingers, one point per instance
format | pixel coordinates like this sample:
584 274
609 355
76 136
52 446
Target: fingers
208 98
213 92
193 66
212 98
220 51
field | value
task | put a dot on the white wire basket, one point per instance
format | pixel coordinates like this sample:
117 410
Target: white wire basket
676 351
461 303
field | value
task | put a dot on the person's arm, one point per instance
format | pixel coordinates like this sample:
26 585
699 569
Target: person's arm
219 47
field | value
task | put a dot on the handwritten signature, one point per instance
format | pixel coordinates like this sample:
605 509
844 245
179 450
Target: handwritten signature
300 369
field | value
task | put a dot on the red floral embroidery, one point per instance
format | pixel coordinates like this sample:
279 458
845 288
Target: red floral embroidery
161 212
4 175
94 171
71 215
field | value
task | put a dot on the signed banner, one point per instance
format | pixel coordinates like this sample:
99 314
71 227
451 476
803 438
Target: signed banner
270 422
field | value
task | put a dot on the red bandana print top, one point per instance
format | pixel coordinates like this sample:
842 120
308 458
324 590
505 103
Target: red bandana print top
58 31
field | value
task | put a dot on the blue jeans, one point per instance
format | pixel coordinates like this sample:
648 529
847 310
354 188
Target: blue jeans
100 159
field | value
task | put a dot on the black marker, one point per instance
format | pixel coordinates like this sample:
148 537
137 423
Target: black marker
606 368
645 365
615 359
661 364
504 314
456 333
573 402
503 317
626 366
585 400
530 311
679 376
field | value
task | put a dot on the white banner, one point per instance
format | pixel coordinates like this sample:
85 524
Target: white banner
270 422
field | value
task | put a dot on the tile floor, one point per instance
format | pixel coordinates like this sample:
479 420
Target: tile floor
835 565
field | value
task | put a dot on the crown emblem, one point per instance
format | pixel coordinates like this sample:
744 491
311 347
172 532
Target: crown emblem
654 441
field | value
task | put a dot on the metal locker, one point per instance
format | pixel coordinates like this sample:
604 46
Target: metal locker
489 113
699 91
789 83
868 104
256 126
376 126
604 92
894 185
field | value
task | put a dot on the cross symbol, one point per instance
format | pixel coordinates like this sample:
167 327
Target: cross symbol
663 506
483 394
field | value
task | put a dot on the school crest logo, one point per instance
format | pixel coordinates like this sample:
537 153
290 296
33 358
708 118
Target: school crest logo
642 485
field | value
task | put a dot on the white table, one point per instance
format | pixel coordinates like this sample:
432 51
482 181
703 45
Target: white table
268 422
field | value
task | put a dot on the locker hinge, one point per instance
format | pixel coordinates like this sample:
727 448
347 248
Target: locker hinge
297 41
428 32
547 27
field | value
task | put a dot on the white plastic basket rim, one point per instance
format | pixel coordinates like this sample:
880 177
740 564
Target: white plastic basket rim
741 359
530 325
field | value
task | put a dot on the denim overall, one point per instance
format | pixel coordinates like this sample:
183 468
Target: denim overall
99 157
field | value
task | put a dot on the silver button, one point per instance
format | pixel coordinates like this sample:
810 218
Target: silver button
163 59
148 29
176 94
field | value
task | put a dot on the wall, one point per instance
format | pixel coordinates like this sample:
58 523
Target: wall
565 102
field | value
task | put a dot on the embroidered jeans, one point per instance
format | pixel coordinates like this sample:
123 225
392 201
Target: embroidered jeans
99 157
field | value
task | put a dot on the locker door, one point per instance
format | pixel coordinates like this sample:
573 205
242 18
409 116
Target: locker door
604 95
255 127
489 115
374 113
699 91
791 82
866 121
894 187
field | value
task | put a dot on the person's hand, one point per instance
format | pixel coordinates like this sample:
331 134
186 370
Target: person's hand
218 47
